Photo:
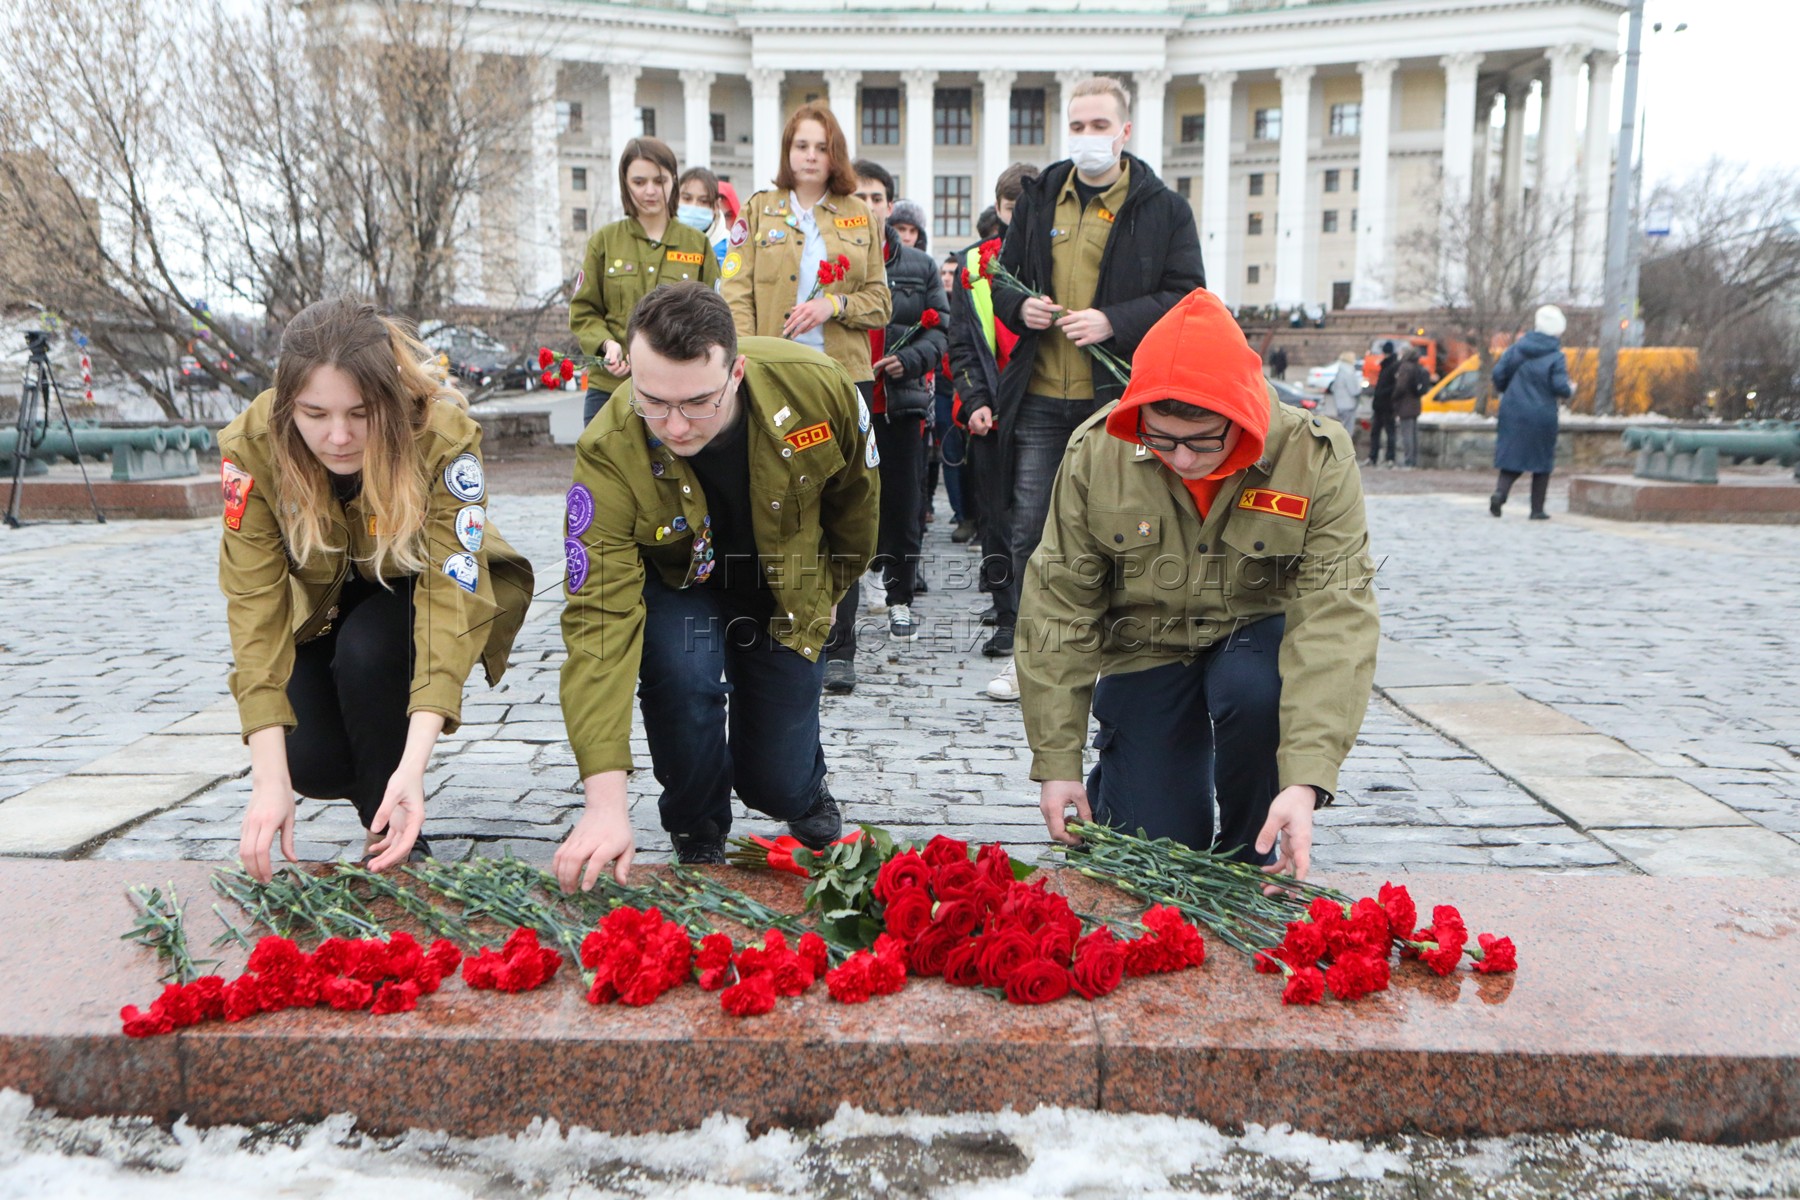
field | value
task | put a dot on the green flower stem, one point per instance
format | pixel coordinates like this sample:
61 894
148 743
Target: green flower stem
159 926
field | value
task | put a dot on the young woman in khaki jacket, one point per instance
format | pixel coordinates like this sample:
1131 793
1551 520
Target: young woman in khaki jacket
811 218
362 577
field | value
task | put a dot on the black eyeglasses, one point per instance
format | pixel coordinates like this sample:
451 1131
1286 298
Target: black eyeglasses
693 410
1165 443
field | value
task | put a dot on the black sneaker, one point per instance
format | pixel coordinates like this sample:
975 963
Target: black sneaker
1494 503
1540 515
822 824
1000 645
699 849
840 676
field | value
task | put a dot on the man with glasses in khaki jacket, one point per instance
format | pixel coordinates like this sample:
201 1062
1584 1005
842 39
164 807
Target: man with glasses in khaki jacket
722 505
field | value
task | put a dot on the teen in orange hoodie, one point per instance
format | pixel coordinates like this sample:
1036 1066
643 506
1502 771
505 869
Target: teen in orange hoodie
1206 560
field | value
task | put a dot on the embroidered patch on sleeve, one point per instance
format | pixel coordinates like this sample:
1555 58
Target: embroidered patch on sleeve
1280 504
237 483
812 435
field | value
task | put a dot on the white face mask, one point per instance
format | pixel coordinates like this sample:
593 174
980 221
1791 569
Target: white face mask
695 216
1093 153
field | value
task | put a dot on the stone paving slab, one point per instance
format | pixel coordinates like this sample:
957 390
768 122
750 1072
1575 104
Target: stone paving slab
1751 851
1663 1011
1615 803
62 815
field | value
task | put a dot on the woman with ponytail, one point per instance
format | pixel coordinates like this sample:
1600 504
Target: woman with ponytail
362 576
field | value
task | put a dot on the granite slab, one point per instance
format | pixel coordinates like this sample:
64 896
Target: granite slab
1651 1007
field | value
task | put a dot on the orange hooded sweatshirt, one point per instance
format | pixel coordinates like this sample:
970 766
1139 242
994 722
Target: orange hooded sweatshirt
1197 354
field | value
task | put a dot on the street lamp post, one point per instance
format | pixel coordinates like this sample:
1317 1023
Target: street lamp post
1619 225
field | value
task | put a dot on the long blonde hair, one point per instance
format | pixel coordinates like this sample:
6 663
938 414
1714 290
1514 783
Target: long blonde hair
399 380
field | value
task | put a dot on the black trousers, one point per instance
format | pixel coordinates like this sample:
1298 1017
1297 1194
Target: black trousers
993 519
350 689
1383 419
1540 487
901 442
1175 739
840 644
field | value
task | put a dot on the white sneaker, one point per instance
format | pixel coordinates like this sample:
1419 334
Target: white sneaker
1005 685
900 621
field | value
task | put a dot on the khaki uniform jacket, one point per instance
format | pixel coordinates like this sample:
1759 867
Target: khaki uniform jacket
620 268
1129 577
813 481
762 274
273 604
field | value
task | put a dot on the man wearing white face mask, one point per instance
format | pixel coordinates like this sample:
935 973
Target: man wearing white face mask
1106 250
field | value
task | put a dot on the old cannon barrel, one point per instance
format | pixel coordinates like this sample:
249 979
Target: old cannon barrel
1781 443
94 442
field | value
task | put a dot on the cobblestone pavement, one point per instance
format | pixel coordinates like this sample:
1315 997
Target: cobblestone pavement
1673 640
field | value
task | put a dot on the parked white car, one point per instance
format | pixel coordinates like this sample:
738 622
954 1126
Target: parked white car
1319 378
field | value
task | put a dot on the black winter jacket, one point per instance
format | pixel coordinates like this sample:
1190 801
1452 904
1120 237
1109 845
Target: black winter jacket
1150 262
914 280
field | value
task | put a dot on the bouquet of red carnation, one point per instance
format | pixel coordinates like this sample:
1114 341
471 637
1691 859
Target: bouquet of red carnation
555 369
830 271
990 268
635 955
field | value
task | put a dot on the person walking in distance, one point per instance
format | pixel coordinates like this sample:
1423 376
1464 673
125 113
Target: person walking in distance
1532 378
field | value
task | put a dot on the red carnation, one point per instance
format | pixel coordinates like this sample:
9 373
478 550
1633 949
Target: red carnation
343 993
931 318
567 369
843 266
1270 962
967 282
1038 981
395 997
1356 975
1304 944
546 356
548 379
715 952
850 983
1497 955
827 274
1305 986
145 1024
751 997
813 950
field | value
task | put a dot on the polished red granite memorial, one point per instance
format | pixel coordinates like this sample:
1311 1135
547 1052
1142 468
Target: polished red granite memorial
1651 1007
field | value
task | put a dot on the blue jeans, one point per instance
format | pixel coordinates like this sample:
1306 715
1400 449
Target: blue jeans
1041 432
698 650
1173 739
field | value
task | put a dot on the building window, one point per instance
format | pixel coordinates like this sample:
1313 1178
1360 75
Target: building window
1356 179
1256 222
1353 220
1253 275
1256 184
1268 124
580 220
578 179
718 127
1028 117
1330 223
1333 179
1193 128
568 116
646 122
1346 119
954 117
881 116
1184 186
950 196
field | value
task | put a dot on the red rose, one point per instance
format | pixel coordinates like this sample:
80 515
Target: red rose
908 914
958 916
907 870
992 861
961 968
1099 964
956 881
1038 981
1498 954
1001 953
928 955
1402 914
1057 944
850 983
1305 986
941 851
546 356
930 318
396 997
751 997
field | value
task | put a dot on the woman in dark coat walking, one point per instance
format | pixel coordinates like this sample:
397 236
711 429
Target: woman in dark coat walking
1531 378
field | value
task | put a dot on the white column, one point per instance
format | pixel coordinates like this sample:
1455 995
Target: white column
1369 288
621 120
1512 154
1147 127
917 184
1293 237
1596 176
539 210
765 128
1556 160
996 132
1215 206
1065 83
696 95
1460 72
840 89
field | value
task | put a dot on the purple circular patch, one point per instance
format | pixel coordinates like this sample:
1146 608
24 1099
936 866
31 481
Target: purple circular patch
581 509
575 563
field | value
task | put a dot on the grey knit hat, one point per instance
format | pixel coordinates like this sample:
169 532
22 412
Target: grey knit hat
908 212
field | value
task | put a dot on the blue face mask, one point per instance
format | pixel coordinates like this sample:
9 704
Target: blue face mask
695 216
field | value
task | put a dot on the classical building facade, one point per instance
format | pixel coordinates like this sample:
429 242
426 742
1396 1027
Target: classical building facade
1312 137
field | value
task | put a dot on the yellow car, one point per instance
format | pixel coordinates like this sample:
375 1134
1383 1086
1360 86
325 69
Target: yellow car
1647 375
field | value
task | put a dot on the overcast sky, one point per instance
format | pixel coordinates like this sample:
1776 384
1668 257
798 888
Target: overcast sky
1723 86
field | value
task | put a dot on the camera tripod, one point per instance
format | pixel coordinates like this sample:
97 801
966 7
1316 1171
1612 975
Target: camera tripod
34 422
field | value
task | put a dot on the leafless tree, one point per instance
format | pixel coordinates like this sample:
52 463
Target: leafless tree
1727 281
162 160
1488 266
